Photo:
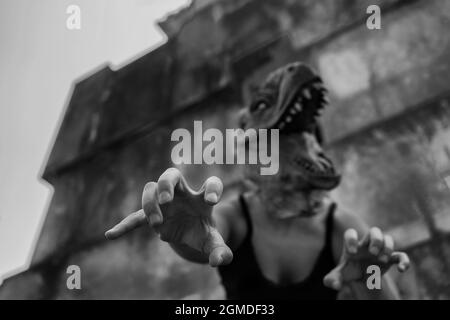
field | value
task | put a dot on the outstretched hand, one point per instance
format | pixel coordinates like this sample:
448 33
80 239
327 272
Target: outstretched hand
180 215
375 248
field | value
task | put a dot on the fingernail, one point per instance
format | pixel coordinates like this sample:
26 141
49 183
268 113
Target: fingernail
155 219
164 197
374 250
212 197
335 285
216 262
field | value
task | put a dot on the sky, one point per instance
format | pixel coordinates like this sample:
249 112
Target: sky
39 60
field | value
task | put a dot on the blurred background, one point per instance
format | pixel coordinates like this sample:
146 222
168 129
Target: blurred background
388 128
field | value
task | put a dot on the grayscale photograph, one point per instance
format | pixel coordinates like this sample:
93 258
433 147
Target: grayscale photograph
225 150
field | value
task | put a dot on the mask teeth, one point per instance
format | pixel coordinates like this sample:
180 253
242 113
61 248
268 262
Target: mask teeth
326 99
324 91
306 94
311 168
298 107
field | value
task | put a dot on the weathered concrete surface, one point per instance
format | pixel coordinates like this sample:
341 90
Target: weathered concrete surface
108 106
375 75
388 129
391 179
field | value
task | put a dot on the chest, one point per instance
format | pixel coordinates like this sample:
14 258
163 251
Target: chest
289 255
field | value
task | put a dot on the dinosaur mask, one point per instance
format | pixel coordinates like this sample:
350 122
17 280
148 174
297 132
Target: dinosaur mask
291 99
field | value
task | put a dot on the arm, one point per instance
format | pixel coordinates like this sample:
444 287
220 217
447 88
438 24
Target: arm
184 218
354 256
227 218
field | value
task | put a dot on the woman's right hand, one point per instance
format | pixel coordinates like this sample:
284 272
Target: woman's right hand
180 215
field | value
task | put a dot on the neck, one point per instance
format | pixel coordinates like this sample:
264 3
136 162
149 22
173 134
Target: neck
306 206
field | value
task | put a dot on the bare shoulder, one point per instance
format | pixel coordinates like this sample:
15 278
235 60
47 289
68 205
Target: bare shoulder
230 220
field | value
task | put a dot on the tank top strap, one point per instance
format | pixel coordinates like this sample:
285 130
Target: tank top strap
330 225
247 217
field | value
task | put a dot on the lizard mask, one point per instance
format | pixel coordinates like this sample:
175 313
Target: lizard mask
291 99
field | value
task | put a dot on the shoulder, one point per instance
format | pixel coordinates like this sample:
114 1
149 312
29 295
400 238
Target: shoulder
230 220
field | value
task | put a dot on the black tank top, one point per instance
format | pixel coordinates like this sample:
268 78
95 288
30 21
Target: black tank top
243 279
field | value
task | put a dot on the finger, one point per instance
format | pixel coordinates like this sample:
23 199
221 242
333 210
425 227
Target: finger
402 260
166 185
388 248
133 221
219 253
333 279
150 204
351 241
365 240
250 185
213 190
376 241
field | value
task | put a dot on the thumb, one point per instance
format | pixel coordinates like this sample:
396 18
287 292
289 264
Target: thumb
334 278
219 253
